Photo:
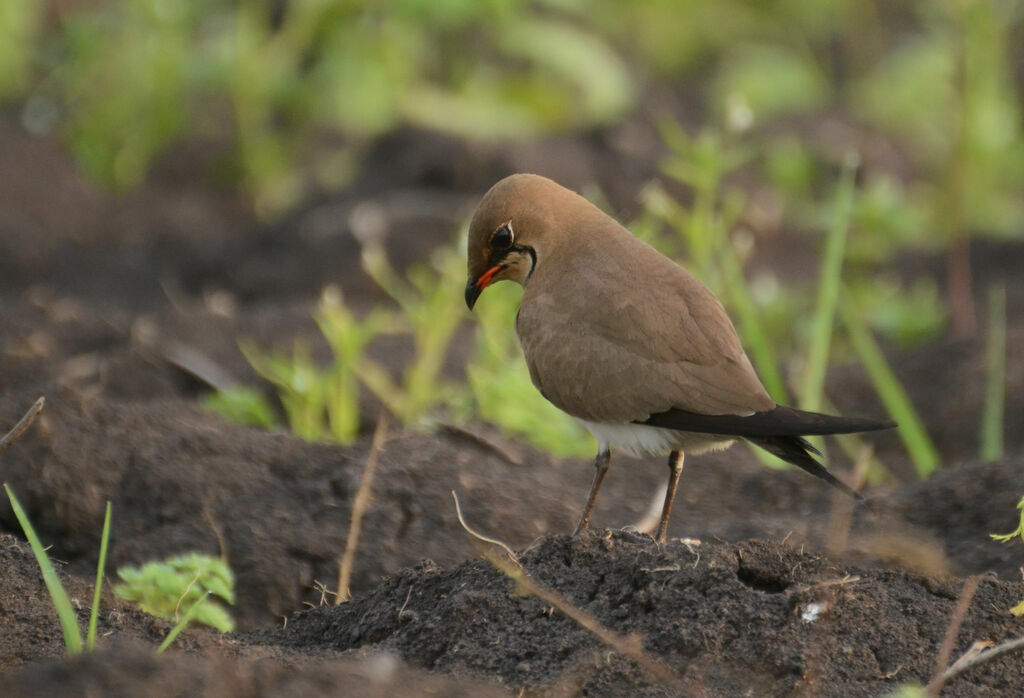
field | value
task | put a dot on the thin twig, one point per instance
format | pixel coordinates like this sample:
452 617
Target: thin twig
181 598
979 656
324 592
22 426
480 536
955 621
627 645
359 503
218 532
480 440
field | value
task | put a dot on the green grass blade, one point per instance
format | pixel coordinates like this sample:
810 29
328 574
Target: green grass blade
182 624
995 384
90 639
813 388
61 602
919 445
754 336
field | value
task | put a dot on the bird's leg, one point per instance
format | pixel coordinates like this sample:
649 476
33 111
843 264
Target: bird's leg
675 469
601 467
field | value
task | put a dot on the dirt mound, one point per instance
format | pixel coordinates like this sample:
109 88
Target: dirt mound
31 628
181 479
729 618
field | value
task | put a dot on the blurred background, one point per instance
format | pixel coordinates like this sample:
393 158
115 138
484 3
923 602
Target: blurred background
846 174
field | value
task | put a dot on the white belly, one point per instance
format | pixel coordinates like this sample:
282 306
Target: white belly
640 439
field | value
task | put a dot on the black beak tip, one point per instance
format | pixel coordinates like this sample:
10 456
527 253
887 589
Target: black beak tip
472 293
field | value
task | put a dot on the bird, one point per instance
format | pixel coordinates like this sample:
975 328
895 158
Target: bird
627 341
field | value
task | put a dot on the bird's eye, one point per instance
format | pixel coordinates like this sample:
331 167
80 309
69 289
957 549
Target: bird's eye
503 237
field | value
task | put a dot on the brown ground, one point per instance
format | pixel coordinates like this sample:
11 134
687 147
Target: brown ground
98 293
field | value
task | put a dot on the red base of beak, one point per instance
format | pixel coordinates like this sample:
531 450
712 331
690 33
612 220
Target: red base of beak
475 288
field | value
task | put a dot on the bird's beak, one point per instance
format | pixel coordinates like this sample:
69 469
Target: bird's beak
474 287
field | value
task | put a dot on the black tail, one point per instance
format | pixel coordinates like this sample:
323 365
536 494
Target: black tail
796 450
781 421
779 431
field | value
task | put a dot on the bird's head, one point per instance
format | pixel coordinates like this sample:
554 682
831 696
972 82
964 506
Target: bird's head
520 220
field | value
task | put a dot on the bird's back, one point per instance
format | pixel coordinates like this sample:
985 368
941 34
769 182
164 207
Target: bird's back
613 331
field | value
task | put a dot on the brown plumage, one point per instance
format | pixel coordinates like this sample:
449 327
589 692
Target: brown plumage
623 338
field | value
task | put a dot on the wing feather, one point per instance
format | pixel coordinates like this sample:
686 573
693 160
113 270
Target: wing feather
616 332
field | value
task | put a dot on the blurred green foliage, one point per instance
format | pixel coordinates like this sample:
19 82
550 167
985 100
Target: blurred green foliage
262 82
302 386
991 447
182 585
1019 531
430 311
320 403
262 79
20 24
282 96
242 404
1017 610
949 94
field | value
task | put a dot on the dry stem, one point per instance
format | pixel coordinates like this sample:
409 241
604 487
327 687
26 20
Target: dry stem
480 440
955 621
22 426
359 504
979 654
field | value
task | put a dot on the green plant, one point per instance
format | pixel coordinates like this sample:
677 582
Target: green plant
431 310
242 404
1018 532
323 403
909 690
905 313
348 337
702 163
1017 610
58 595
187 582
191 614
319 403
823 324
911 430
949 95
101 566
300 386
995 384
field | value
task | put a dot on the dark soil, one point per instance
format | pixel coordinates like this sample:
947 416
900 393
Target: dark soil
729 618
102 296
